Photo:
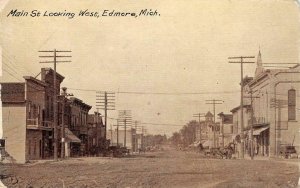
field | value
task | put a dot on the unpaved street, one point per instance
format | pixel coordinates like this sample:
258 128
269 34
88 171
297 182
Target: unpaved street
167 168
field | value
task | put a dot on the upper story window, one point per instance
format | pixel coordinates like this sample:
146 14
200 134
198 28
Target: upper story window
292 104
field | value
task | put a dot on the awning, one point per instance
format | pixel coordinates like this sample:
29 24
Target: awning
70 137
260 130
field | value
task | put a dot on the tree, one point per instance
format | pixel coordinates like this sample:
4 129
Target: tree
186 135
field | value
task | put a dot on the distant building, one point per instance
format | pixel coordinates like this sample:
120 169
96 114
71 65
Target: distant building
226 135
96 133
117 137
207 129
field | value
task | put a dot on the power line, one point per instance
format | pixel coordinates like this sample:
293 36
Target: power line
12 69
13 62
11 74
147 123
38 90
157 93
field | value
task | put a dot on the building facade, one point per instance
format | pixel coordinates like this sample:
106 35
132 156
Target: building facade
28 115
27 112
209 131
275 108
273 111
79 126
226 129
96 134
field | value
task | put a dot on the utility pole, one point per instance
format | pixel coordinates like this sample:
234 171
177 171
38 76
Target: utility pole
97 114
111 134
138 129
142 140
125 120
55 56
214 102
117 125
135 138
199 115
64 94
145 138
242 62
252 123
118 134
105 101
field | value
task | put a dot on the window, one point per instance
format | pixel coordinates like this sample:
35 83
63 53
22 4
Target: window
292 104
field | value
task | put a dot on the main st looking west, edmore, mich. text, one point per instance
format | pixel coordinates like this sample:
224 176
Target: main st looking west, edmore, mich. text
82 13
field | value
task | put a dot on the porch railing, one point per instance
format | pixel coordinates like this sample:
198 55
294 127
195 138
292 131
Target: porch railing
35 123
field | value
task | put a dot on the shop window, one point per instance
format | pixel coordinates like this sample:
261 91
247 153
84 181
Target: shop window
292 104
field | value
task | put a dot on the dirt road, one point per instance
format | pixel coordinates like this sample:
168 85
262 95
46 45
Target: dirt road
168 168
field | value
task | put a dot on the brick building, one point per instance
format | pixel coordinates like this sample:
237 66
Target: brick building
96 134
27 117
78 124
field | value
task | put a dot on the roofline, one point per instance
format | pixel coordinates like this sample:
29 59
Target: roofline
73 99
35 80
258 78
57 74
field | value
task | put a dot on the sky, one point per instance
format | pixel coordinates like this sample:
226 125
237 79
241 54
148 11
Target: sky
182 53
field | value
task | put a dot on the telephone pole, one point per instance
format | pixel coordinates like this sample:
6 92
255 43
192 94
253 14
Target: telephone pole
214 102
125 120
199 115
55 60
105 101
252 123
135 138
145 140
117 125
242 62
111 133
